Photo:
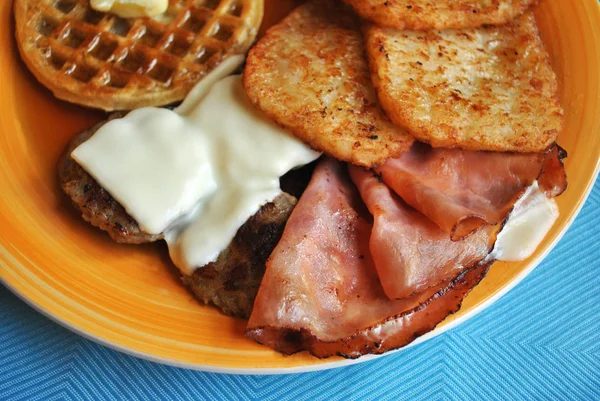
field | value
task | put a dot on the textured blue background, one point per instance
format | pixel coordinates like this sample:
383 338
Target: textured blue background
541 341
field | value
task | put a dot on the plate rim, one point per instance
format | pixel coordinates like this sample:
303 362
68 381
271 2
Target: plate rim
531 265
321 366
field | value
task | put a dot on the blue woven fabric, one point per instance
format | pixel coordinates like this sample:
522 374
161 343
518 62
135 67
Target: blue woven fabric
541 341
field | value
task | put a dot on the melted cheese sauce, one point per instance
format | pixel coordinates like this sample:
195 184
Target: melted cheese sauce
196 176
529 222
153 162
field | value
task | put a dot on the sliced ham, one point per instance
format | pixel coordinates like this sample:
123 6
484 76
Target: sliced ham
411 253
321 292
462 191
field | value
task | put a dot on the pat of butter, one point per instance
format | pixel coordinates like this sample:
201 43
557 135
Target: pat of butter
532 217
131 8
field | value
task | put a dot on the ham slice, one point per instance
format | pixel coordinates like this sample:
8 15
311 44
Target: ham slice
462 191
321 292
411 253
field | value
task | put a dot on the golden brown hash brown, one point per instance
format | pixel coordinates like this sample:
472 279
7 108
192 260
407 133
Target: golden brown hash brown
489 88
422 15
310 75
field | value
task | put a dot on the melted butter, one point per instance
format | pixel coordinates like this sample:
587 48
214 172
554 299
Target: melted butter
196 174
529 222
131 8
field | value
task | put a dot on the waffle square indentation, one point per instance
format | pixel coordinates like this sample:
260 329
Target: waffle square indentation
83 73
57 60
73 37
205 54
212 4
160 72
120 27
46 26
179 45
65 6
103 48
93 17
150 37
133 60
236 9
116 80
222 32
195 22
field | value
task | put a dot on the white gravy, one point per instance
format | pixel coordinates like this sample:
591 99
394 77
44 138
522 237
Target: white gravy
532 217
196 174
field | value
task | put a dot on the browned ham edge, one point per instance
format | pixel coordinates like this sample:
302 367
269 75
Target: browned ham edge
552 179
393 333
462 191
411 253
321 292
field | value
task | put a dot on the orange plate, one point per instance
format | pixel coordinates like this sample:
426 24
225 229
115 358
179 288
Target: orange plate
129 298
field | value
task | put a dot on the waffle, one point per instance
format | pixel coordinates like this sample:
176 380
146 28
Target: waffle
103 61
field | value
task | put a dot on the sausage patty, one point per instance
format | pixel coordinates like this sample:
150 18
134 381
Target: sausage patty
230 283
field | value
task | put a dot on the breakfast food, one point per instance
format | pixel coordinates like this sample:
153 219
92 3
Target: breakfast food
463 191
438 212
96 205
490 88
422 15
410 252
231 282
385 325
345 282
211 188
131 8
321 292
107 62
363 249
309 74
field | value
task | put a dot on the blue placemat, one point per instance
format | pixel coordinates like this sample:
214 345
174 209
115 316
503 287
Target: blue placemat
541 341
